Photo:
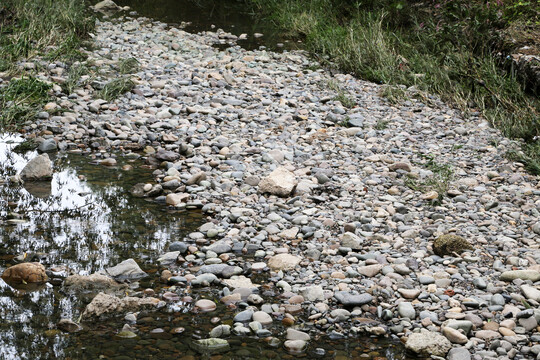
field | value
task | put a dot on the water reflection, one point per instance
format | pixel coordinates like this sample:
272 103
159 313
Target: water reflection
234 16
82 220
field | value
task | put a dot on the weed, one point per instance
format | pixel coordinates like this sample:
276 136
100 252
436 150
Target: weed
115 88
128 66
345 99
25 146
439 181
20 100
75 77
342 95
529 155
381 124
52 28
394 94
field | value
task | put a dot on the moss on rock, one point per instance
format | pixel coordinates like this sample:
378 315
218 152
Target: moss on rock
449 243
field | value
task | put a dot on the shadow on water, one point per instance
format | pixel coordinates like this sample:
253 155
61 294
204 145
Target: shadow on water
233 16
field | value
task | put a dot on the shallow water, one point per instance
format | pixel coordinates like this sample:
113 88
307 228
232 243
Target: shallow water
233 16
80 222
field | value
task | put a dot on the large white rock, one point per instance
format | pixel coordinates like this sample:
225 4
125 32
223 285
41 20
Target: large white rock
280 182
175 199
39 168
104 305
428 343
351 240
313 293
126 270
283 262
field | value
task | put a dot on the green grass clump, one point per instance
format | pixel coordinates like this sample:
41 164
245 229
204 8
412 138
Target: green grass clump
74 78
51 28
115 88
445 48
439 181
25 146
128 66
20 100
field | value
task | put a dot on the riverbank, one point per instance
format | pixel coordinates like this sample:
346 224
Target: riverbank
477 56
319 195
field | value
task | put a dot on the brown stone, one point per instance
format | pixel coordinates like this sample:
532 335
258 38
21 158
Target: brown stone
25 273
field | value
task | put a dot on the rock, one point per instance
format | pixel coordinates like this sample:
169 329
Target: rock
348 299
104 305
487 334
197 178
454 335
166 155
178 246
108 162
206 305
293 334
520 274
351 240
220 247
68 325
169 258
427 343
94 282
39 168
175 199
204 280
107 5
531 293
262 317
126 270
280 182
126 334
409 293
295 346
369 270
459 354
211 345
406 310
48 145
449 244
283 262
240 282
340 315
244 316
312 293
25 273
220 331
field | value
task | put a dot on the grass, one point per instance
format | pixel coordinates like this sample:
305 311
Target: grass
394 94
20 100
381 124
439 181
33 29
341 94
444 48
115 88
51 28
75 76
25 146
128 66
